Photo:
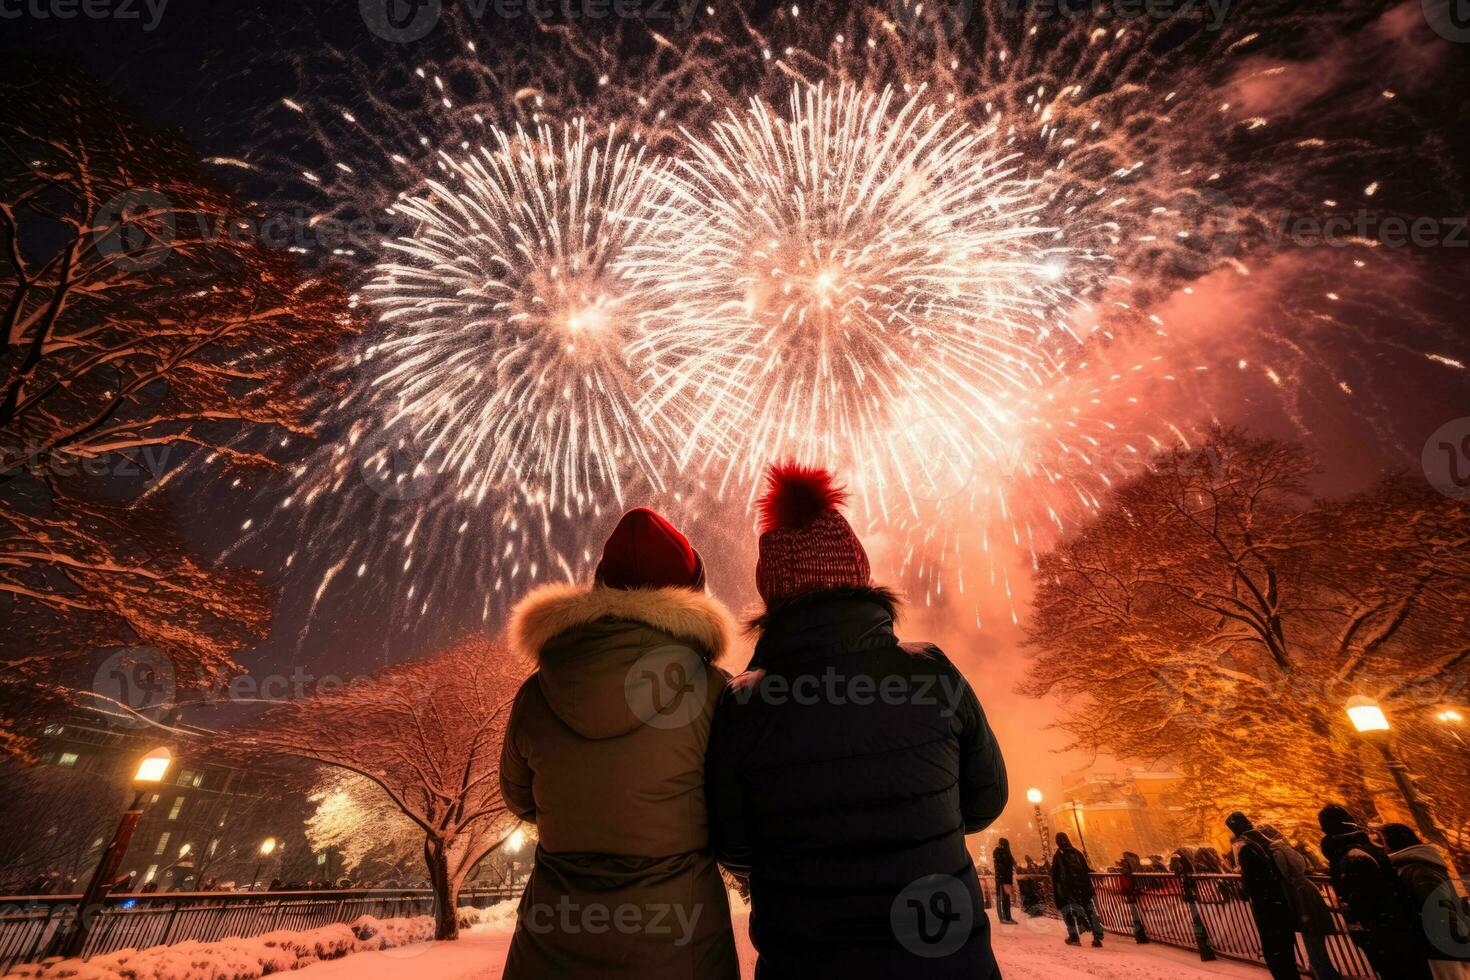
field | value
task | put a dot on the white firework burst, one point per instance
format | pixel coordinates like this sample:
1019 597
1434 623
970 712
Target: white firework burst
865 280
505 319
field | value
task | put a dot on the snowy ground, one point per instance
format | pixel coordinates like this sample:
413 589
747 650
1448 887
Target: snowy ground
1031 951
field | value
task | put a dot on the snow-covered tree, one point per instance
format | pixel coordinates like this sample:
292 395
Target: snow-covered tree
428 734
370 834
1215 616
140 328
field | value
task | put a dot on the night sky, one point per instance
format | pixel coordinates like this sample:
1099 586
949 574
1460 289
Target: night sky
214 69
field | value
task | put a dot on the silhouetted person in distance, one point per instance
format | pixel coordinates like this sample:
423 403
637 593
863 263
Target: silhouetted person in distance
1071 884
1368 890
1004 863
1430 902
1265 890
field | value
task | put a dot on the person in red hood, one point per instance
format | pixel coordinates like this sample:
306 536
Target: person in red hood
604 752
846 767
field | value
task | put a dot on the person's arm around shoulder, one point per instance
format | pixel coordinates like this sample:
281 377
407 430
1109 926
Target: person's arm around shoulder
515 772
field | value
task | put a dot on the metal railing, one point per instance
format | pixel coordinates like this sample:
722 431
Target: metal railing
30 923
1208 913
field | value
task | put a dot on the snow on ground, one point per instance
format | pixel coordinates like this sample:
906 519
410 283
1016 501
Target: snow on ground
1033 950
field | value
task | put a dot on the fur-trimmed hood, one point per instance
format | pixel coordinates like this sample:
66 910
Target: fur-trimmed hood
588 642
550 610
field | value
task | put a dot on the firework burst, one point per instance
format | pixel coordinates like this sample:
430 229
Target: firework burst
863 280
956 265
506 319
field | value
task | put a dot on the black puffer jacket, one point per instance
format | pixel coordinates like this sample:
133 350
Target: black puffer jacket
843 768
1004 863
1071 878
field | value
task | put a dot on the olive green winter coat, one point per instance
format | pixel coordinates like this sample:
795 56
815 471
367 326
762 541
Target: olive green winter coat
605 754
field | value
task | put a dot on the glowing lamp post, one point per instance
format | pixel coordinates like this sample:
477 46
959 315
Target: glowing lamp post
150 772
1077 811
1368 718
267 848
1033 796
514 843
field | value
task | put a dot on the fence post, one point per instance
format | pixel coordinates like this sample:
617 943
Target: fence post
1201 934
168 927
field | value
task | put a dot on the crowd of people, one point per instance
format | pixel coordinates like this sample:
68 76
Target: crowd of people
1396 895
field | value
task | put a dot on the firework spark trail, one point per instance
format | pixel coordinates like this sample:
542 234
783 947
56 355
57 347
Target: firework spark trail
1131 159
508 320
847 271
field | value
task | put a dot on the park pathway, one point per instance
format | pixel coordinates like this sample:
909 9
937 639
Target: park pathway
1031 951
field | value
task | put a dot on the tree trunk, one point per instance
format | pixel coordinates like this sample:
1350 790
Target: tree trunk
446 889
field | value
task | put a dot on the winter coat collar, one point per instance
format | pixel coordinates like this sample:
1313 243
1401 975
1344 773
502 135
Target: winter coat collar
1421 853
550 610
840 621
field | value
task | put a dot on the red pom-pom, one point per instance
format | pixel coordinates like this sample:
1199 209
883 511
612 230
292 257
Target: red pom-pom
796 495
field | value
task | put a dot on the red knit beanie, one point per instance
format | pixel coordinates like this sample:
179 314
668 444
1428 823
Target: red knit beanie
805 544
647 552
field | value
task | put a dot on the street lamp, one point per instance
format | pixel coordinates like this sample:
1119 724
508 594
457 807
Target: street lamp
1077 822
1033 796
513 845
150 772
1370 721
267 847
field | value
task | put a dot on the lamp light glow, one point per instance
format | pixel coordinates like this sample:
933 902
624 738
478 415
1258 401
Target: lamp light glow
153 766
1366 715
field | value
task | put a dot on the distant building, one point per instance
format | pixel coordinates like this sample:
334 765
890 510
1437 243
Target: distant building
205 820
1116 812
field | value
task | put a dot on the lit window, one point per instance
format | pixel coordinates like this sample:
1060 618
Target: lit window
150 873
186 778
173 813
162 842
67 759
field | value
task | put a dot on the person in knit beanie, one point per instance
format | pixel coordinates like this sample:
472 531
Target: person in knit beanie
846 767
604 752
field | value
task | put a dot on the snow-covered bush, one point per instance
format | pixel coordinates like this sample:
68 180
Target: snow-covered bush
499 914
259 956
